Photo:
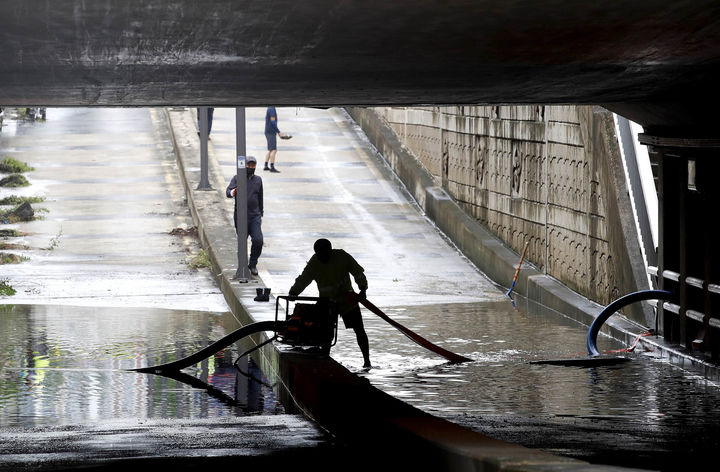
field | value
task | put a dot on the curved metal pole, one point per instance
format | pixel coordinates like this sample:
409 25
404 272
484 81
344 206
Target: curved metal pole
615 306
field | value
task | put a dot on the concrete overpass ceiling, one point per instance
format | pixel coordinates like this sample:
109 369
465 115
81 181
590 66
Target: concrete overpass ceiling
657 62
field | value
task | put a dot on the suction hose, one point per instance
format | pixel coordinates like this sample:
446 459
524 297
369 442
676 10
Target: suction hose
615 306
451 356
212 348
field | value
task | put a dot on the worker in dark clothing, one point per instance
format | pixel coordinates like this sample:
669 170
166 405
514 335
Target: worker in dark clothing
254 210
331 270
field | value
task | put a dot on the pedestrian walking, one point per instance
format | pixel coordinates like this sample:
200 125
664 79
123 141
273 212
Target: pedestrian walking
271 134
210 113
331 270
255 210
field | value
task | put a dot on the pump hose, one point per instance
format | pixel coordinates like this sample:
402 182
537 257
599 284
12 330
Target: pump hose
217 346
451 356
615 306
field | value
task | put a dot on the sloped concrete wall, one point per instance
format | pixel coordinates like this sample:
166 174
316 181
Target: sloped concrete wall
548 175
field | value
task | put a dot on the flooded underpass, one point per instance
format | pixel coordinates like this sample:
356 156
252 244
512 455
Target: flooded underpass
67 398
64 376
67 364
105 287
645 413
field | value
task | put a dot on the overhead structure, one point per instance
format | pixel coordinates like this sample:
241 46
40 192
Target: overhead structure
655 62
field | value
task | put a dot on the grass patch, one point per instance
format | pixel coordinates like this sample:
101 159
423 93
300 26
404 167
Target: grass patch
10 258
6 289
9 233
15 200
12 166
14 180
200 260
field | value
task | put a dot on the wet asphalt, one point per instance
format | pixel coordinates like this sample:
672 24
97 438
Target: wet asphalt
112 196
332 184
111 231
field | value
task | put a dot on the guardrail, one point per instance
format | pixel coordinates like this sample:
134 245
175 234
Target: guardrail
689 319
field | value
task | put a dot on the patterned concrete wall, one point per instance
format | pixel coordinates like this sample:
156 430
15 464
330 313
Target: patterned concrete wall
537 174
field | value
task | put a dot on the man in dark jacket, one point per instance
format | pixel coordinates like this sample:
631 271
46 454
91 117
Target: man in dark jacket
331 270
254 210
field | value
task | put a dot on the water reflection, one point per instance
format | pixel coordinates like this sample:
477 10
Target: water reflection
61 364
637 413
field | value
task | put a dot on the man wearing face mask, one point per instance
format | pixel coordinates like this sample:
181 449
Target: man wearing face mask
331 270
254 210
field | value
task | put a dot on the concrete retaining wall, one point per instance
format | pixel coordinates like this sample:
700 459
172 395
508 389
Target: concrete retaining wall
495 176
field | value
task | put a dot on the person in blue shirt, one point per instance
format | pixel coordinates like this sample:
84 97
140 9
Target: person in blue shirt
271 133
255 210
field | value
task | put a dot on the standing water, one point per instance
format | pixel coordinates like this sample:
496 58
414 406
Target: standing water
644 413
67 400
65 364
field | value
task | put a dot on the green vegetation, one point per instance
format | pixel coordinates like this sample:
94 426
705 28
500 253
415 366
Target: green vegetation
55 241
13 166
10 258
6 289
200 260
22 212
14 180
9 233
15 200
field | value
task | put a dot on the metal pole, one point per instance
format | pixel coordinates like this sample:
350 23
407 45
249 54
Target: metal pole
203 121
243 272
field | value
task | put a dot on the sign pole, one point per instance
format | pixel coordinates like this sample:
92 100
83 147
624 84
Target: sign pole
203 121
243 272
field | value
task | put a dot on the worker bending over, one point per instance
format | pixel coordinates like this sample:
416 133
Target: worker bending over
331 269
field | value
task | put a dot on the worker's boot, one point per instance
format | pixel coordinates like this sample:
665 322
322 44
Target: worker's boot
266 294
260 296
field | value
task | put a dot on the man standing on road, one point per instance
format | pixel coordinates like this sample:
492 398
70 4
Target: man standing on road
331 269
271 133
255 210
210 113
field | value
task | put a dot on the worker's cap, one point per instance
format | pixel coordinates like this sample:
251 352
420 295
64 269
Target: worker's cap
250 159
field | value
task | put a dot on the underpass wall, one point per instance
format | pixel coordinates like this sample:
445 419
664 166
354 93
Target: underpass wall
551 176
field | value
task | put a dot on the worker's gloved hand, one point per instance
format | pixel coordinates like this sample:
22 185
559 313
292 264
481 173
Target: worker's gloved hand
233 192
362 295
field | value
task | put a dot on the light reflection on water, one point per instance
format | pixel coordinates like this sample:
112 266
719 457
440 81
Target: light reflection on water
643 410
61 365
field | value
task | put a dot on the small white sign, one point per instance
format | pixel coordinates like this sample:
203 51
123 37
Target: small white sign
241 162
